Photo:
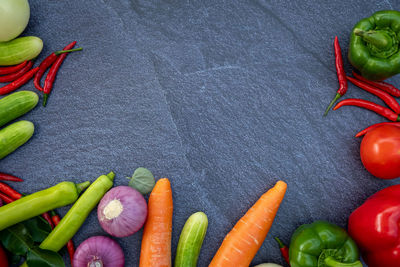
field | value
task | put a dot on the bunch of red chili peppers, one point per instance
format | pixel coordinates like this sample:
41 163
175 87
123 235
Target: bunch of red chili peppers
383 90
8 195
21 74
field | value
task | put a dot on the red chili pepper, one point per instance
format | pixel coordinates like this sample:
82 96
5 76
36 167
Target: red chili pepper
51 76
6 198
284 250
3 257
48 61
12 69
387 98
19 82
70 245
9 177
13 76
6 189
366 130
384 86
341 74
47 217
385 112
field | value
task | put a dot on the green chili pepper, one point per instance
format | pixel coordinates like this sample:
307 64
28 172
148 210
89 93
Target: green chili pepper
76 216
374 45
322 244
40 202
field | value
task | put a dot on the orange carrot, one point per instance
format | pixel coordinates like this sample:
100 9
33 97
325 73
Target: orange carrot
243 241
156 240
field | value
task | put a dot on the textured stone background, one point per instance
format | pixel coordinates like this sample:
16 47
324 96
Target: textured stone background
222 97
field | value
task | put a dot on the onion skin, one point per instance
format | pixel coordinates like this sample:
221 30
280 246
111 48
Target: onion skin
101 248
122 211
14 17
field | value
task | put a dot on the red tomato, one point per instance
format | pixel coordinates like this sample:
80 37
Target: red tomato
380 151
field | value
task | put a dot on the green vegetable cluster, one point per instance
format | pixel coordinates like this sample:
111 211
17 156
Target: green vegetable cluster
23 240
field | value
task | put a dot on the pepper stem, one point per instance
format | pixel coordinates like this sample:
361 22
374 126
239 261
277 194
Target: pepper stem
67 51
111 175
53 213
332 102
82 186
45 97
331 262
280 243
379 39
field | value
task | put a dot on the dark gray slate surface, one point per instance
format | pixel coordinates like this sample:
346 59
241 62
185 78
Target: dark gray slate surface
222 97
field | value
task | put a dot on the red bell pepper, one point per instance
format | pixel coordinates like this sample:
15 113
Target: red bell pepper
375 226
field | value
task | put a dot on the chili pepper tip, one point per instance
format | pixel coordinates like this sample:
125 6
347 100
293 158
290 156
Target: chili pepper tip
280 243
331 104
45 97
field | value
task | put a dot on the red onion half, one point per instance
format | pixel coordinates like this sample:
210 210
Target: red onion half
122 211
99 251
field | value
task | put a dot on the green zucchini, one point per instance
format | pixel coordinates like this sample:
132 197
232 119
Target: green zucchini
16 105
14 136
20 49
191 239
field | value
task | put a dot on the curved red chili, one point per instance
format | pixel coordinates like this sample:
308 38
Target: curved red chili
8 190
385 112
9 177
19 82
13 76
284 250
51 76
384 86
12 69
47 62
341 74
366 130
387 98
6 198
44 65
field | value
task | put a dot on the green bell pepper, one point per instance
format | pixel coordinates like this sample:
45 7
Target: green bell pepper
322 244
374 45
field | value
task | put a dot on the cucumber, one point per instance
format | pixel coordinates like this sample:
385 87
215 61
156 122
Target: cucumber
14 136
16 105
18 50
191 239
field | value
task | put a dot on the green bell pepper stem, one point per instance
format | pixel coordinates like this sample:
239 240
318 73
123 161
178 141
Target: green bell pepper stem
332 102
78 213
379 39
331 262
374 48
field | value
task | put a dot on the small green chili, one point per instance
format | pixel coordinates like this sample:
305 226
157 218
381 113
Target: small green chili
40 202
78 213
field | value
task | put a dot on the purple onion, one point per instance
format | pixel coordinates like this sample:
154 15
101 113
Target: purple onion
1 202
122 211
99 251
